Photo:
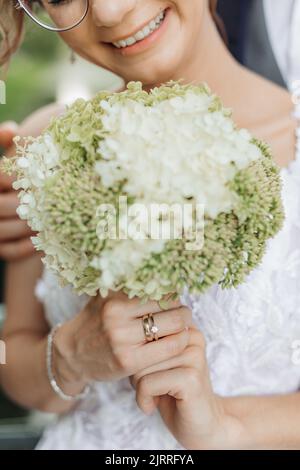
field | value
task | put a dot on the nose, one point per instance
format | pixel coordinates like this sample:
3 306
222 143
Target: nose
111 12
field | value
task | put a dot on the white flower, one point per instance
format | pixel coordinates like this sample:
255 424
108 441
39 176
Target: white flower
178 150
23 211
174 150
23 162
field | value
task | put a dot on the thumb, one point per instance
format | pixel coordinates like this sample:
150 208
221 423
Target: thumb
8 131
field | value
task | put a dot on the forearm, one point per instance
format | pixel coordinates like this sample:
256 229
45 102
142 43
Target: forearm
267 422
24 376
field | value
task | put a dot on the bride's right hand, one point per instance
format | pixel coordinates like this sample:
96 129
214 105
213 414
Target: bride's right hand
106 340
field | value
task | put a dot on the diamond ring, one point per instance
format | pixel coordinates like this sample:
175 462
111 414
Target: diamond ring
150 329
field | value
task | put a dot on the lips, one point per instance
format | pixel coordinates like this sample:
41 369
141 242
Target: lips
142 33
145 32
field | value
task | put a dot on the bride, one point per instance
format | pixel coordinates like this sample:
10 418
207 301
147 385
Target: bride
224 370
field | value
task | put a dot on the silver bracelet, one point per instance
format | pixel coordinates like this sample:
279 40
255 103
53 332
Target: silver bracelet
51 377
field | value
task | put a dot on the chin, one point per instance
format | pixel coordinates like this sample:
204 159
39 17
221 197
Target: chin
154 72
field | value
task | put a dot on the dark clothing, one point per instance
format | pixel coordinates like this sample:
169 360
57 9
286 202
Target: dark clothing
248 37
235 14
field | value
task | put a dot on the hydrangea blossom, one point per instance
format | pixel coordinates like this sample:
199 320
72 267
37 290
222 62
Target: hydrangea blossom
174 145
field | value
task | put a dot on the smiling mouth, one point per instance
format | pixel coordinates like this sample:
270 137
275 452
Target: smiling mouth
142 34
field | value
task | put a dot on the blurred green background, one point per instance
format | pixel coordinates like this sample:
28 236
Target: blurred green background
30 81
30 84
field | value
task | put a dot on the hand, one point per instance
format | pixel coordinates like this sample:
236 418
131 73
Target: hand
14 233
106 340
181 390
7 133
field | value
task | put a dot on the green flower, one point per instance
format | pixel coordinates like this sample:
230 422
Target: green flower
189 151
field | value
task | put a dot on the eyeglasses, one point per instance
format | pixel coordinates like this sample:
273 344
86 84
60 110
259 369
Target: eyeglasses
55 15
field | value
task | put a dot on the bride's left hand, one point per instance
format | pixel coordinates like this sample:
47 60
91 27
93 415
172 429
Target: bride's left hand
181 390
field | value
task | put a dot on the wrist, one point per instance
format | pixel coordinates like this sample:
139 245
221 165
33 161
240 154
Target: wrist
235 435
227 431
65 367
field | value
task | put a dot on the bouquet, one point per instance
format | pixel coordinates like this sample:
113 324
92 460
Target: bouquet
89 183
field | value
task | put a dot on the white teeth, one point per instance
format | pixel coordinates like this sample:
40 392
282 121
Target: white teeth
152 25
139 36
130 41
145 32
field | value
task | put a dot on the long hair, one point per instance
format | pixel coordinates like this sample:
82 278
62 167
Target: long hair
11 29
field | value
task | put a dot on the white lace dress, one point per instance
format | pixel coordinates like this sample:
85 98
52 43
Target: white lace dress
251 333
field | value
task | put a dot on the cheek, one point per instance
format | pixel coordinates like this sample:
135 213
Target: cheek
191 14
84 43
191 9
80 39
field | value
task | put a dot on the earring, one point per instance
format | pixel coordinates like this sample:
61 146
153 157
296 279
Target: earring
72 57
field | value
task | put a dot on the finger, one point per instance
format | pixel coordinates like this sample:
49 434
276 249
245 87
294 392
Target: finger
168 323
17 250
192 356
197 338
6 182
118 305
135 309
13 229
8 204
170 382
7 133
158 351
